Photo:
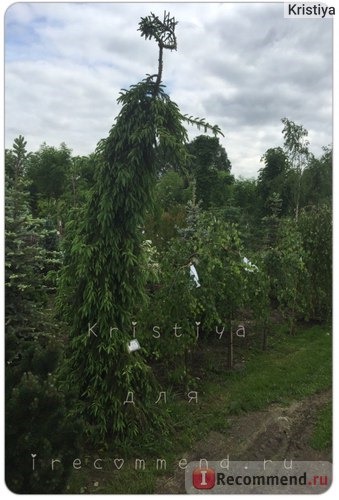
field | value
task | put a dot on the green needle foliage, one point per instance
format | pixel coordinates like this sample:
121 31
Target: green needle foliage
34 406
104 277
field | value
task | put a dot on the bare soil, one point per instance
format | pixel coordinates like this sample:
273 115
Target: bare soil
277 433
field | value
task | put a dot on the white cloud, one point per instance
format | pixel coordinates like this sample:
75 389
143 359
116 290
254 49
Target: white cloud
242 66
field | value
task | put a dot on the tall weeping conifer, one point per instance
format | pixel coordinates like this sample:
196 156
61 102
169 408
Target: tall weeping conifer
103 283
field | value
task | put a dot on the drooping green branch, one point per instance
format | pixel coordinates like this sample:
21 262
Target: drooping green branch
201 123
163 31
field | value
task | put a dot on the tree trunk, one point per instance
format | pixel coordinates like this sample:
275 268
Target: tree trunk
230 349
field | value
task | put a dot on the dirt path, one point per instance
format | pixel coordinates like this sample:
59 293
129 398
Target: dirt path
276 433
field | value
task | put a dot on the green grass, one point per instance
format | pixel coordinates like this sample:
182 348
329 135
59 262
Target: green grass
322 435
292 368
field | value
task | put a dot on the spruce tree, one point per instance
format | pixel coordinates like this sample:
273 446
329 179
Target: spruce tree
103 283
35 409
24 260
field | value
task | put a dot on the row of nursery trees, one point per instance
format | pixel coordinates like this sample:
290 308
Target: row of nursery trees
108 240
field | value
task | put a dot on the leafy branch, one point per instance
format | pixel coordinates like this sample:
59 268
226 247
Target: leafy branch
201 123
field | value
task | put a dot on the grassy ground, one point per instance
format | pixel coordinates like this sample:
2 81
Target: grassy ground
292 368
322 436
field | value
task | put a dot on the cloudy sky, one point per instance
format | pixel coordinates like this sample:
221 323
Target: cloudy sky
239 65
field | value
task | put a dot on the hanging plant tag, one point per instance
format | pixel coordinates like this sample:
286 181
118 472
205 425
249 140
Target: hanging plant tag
133 345
194 275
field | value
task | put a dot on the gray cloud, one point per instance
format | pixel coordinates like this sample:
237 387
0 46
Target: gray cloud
242 66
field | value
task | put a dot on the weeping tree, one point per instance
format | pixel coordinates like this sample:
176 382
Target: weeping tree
102 287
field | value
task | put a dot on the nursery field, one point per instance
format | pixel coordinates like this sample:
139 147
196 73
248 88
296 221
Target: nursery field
237 415
160 309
